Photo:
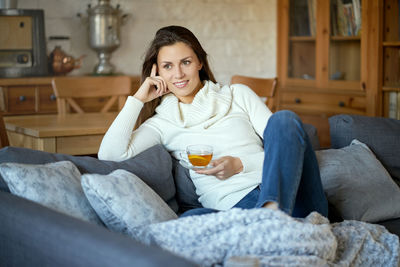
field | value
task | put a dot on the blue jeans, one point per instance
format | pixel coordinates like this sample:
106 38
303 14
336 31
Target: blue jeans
290 175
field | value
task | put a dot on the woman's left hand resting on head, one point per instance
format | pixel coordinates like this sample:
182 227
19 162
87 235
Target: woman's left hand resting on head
224 167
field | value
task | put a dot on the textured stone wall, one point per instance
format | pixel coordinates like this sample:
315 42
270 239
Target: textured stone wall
239 35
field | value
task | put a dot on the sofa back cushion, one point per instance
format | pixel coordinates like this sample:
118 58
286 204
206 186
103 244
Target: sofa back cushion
153 166
381 135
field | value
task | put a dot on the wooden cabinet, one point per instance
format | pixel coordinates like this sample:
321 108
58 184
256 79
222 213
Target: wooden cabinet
35 96
328 59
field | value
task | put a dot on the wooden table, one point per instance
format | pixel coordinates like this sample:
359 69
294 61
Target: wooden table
74 134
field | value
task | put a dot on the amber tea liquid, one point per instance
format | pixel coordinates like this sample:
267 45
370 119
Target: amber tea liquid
200 160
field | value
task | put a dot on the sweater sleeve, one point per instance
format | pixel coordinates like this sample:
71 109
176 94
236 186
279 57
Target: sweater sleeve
258 114
120 141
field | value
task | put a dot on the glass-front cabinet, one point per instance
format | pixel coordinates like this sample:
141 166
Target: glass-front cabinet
329 58
324 42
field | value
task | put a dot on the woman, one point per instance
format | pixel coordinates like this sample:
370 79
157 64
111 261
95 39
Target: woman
179 103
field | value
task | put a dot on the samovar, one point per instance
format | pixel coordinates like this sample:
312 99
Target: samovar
104 34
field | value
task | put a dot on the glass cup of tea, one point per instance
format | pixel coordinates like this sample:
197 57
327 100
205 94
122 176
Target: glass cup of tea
199 155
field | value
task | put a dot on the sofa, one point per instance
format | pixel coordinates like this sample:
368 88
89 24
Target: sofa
32 234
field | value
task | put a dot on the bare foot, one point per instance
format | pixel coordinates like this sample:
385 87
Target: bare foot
271 205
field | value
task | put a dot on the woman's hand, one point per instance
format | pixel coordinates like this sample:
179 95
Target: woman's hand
153 87
224 167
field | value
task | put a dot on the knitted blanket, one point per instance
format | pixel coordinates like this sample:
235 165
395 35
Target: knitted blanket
272 238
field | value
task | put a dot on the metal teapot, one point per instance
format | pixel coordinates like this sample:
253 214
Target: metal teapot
61 63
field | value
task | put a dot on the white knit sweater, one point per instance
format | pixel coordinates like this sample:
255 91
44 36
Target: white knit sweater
229 118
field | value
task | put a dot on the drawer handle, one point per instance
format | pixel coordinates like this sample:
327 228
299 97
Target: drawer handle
22 98
297 100
341 104
53 97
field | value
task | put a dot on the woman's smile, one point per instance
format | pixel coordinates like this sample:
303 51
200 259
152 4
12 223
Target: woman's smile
181 84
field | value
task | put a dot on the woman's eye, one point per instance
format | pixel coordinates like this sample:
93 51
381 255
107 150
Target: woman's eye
186 62
167 67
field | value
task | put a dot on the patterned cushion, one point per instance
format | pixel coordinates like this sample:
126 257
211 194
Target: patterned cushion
123 201
54 185
357 184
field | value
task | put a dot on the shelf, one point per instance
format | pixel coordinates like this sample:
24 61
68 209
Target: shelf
390 89
395 44
345 38
302 39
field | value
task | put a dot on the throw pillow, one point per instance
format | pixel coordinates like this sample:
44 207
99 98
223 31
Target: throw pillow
381 135
159 178
357 184
123 201
54 185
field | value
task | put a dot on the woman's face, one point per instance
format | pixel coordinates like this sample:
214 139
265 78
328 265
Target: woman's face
179 66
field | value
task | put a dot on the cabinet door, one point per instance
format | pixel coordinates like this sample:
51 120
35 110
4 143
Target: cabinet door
21 99
344 60
302 40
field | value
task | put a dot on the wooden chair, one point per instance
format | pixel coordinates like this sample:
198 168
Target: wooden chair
263 87
68 88
3 133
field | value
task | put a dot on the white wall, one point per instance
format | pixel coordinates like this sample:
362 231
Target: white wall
239 35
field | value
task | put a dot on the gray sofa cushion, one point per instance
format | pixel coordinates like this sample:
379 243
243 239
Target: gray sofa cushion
381 135
153 166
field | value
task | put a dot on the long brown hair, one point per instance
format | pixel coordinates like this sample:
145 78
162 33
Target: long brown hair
168 36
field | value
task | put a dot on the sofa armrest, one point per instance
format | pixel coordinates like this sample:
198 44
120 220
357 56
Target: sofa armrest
33 235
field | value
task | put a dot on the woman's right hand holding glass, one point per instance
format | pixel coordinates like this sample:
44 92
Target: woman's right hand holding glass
154 86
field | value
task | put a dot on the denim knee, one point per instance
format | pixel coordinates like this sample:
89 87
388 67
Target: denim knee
286 123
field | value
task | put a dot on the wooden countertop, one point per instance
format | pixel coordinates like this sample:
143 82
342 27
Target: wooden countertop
60 125
25 81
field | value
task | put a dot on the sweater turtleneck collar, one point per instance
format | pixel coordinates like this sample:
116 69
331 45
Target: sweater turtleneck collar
211 103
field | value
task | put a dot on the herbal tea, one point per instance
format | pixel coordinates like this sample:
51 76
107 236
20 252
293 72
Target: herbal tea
199 155
200 160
